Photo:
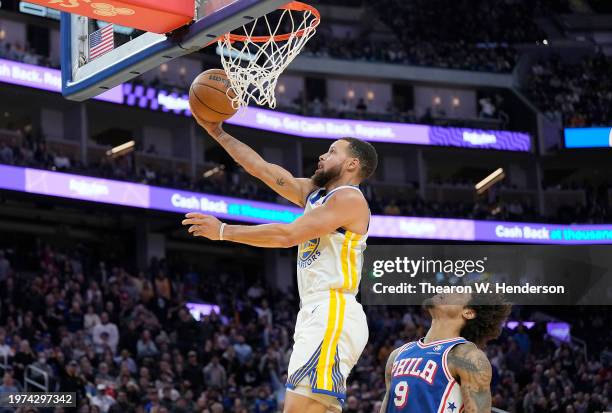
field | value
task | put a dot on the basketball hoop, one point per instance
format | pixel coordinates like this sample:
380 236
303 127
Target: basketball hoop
254 61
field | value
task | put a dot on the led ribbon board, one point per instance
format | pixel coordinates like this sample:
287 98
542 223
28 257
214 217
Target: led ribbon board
588 138
107 191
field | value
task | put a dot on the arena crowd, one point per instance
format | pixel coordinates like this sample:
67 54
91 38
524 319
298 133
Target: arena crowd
122 338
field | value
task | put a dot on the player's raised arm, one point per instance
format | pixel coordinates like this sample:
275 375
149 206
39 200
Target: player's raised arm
388 370
473 370
276 177
345 208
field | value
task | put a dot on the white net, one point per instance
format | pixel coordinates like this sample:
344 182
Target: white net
253 61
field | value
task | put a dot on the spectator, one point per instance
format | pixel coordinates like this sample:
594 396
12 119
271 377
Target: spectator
487 109
264 403
90 319
146 346
6 351
74 318
6 154
8 386
101 399
214 374
264 313
108 328
122 404
193 372
42 368
255 292
125 358
23 357
243 350
186 329
316 107
71 381
522 339
61 162
163 286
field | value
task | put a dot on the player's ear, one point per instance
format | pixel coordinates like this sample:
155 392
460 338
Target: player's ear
469 313
354 164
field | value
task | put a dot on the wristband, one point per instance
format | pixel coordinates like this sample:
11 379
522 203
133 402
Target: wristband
221 231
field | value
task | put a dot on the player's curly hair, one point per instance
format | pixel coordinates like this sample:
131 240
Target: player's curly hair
491 313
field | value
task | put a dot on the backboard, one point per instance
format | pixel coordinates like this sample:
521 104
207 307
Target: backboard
136 52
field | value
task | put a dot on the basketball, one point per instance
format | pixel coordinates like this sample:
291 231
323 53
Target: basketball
208 96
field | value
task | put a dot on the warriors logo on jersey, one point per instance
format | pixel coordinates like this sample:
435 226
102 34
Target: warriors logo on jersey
309 251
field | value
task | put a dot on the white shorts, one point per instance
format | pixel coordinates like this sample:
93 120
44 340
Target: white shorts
331 332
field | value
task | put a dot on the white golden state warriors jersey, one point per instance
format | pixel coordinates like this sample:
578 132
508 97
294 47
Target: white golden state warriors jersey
333 261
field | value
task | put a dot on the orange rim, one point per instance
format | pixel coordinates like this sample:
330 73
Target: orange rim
294 6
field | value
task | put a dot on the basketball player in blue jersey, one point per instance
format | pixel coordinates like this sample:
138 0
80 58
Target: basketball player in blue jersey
331 329
447 371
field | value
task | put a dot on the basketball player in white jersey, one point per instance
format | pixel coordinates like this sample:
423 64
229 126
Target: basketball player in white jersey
331 330
447 371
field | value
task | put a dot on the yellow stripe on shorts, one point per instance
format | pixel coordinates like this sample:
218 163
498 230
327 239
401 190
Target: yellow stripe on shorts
335 321
334 345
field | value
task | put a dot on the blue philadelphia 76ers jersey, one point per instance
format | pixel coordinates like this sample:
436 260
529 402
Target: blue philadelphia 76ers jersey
421 381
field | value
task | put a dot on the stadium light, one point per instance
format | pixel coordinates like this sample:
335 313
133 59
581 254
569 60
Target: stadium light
484 185
121 150
213 171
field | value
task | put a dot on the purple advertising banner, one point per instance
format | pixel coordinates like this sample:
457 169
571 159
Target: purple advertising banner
86 188
422 228
163 199
482 139
524 232
404 133
326 128
224 207
44 78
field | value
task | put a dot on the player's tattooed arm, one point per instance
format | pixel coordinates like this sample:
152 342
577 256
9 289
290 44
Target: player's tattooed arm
470 366
276 177
388 370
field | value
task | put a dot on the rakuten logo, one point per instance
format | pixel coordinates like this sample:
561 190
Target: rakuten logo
479 139
85 188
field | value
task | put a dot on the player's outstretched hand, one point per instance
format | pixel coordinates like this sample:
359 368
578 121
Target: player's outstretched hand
213 128
201 225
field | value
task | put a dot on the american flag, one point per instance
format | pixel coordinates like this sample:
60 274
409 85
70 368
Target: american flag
101 41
